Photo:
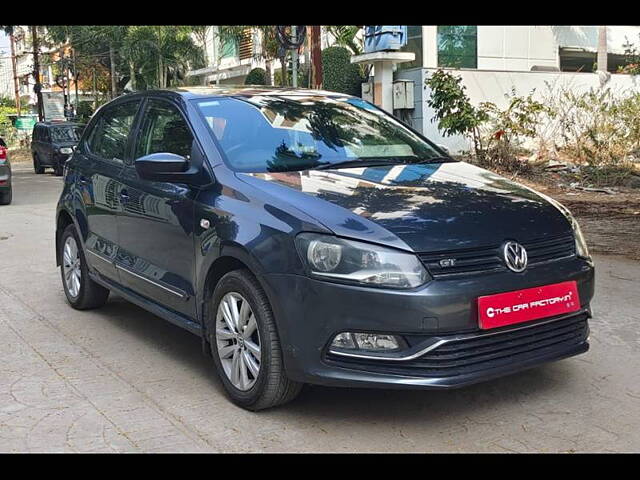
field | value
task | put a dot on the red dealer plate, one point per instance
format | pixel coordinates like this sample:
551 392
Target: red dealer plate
529 304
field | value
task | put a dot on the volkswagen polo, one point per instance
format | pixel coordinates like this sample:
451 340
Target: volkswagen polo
310 237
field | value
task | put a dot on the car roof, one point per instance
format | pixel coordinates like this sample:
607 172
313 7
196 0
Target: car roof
234 91
58 124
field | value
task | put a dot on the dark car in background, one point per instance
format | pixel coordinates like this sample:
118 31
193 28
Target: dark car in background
52 143
5 174
310 237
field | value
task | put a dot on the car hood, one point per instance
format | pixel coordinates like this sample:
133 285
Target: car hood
423 208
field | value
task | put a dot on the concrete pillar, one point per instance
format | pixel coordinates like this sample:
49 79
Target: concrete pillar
382 85
383 63
430 46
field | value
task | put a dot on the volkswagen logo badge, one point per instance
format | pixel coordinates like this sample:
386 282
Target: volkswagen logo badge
515 256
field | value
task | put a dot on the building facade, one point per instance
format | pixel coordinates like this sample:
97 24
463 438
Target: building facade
494 60
53 98
229 61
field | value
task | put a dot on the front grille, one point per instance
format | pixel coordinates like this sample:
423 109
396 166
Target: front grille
489 259
460 356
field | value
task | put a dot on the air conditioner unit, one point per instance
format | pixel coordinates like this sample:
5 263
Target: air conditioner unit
367 91
403 95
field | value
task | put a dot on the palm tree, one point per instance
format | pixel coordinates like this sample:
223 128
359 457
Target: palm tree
173 52
345 36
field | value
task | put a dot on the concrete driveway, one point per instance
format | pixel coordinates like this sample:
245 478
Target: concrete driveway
119 379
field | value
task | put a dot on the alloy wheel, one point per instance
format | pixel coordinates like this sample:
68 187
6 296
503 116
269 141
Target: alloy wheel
238 341
71 266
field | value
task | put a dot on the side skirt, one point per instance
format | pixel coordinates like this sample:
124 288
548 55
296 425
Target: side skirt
143 302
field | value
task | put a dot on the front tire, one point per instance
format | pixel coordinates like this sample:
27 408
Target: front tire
82 293
245 345
59 169
39 169
5 198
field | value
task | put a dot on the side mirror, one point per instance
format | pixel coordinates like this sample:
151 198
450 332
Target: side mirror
163 167
443 147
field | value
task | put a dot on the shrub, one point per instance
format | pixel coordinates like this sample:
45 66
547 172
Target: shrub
257 76
7 131
339 74
505 132
497 134
597 127
84 111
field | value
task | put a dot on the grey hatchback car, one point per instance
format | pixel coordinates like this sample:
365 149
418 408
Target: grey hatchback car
310 237
6 191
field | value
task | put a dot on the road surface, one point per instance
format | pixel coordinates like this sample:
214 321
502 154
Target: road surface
119 379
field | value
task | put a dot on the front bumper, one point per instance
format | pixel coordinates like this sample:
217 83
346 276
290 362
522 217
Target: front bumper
55 160
311 312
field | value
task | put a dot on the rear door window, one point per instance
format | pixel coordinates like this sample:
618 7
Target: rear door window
108 138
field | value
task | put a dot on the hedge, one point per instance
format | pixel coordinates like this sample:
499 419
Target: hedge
339 74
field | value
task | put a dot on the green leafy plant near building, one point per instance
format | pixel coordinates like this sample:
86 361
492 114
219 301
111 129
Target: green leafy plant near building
497 134
597 130
339 74
453 109
257 76
632 59
7 130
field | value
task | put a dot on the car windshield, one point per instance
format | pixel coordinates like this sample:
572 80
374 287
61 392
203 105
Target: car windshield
266 133
66 134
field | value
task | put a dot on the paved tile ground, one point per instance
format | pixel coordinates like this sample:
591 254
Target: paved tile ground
119 379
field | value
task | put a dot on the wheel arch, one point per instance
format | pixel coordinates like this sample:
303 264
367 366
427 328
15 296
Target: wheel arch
63 220
232 257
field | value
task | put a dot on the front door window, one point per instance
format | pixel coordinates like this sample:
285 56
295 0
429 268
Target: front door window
164 130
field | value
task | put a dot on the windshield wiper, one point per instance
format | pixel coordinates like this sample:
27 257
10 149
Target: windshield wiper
365 162
437 160
382 161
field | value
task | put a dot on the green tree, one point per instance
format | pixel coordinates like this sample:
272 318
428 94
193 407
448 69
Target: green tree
163 52
453 109
95 48
346 36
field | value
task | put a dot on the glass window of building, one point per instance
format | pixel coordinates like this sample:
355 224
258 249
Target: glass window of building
458 46
414 44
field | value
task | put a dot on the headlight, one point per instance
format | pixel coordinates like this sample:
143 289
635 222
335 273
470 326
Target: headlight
66 150
581 244
337 259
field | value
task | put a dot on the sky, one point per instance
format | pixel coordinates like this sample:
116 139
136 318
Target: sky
4 44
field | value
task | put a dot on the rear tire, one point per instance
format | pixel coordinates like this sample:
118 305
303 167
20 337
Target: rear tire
82 293
5 198
39 169
270 387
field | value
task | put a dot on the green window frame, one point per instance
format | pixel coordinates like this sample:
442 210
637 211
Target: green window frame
458 46
229 48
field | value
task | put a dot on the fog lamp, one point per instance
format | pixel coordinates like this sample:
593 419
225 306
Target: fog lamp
373 342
